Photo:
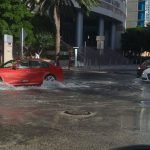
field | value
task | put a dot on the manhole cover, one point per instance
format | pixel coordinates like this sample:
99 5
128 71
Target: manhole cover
77 113
73 112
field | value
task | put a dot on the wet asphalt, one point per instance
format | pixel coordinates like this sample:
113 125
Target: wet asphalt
88 111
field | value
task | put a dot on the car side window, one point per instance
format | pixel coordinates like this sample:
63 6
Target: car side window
23 64
44 64
35 64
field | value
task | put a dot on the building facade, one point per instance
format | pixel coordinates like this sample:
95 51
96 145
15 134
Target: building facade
147 12
106 20
141 13
132 13
138 13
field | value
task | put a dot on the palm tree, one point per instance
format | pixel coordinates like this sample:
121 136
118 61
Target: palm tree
56 6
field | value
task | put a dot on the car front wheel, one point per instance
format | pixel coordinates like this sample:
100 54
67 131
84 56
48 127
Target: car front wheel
50 78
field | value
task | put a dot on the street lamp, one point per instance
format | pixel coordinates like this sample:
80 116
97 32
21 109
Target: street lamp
76 55
100 46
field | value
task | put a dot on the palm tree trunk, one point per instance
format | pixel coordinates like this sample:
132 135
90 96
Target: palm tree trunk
57 25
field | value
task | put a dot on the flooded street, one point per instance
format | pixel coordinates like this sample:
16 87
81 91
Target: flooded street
88 111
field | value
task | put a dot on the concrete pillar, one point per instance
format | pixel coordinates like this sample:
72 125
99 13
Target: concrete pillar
101 26
119 31
79 29
113 36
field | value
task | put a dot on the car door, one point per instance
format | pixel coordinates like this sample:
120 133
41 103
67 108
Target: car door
18 74
36 71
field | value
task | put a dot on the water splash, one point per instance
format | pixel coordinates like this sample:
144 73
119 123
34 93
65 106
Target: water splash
52 84
76 85
5 86
56 85
45 85
137 82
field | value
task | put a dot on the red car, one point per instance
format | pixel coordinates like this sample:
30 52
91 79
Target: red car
29 72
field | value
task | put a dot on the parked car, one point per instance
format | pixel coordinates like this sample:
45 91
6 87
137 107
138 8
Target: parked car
142 67
29 72
146 75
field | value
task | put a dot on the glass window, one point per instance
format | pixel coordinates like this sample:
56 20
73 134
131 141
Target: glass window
141 6
44 64
23 64
7 64
35 64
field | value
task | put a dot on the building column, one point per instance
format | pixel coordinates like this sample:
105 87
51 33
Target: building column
113 36
101 26
79 29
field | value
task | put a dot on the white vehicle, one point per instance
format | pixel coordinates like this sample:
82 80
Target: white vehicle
146 75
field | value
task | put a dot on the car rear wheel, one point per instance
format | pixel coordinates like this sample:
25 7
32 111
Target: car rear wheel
50 78
1 79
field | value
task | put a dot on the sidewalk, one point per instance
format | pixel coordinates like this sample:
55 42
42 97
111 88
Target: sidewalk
119 67
105 68
81 67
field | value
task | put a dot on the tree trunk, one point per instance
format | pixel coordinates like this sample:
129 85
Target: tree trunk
57 25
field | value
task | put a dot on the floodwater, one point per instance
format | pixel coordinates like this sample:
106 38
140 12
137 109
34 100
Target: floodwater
88 111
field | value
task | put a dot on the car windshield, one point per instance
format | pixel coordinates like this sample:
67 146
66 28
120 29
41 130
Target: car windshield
8 64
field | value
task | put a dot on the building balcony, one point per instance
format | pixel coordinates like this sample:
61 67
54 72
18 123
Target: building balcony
115 9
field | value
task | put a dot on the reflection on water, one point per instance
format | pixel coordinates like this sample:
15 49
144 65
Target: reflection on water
136 120
20 104
144 121
145 91
139 119
14 115
131 120
55 85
